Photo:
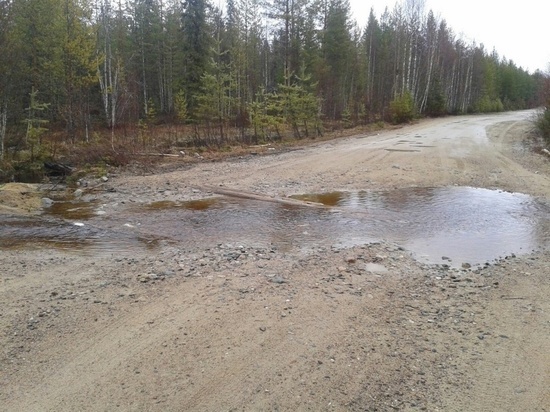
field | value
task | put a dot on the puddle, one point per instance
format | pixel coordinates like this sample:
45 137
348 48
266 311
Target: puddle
20 233
72 210
462 224
327 199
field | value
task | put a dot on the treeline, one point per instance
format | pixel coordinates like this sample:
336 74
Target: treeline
257 70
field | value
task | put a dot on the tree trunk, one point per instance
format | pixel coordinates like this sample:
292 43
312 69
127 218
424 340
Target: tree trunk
3 121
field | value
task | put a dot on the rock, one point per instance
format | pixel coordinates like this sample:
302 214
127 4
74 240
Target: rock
144 278
104 179
263 328
466 265
278 279
375 268
47 202
31 324
78 193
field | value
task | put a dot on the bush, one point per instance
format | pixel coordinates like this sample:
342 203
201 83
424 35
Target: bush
28 172
543 122
402 109
6 172
488 105
435 106
436 103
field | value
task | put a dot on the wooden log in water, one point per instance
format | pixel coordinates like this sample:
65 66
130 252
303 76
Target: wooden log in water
263 198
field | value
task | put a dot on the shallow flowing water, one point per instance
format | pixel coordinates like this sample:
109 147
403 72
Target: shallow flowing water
452 225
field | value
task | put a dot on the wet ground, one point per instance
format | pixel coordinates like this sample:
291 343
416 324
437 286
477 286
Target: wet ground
453 225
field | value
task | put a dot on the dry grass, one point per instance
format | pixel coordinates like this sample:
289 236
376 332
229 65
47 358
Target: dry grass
165 146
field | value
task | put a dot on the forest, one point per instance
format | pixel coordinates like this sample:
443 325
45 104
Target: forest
99 80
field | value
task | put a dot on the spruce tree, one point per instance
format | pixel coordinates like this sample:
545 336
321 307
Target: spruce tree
196 43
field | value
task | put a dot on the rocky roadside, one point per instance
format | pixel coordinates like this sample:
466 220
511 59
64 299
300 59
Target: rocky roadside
422 328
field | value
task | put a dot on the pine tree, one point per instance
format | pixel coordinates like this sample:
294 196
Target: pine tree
337 53
196 49
38 41
147 34
214 103
79 66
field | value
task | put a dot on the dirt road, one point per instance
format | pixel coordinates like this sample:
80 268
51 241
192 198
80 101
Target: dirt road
254 328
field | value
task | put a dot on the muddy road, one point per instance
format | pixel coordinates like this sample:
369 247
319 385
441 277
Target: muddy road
419 280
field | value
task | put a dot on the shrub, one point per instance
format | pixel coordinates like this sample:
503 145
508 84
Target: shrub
487 105
543 122
402 108
435 106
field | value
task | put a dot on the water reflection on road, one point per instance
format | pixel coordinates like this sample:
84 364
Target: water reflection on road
460 223
465 224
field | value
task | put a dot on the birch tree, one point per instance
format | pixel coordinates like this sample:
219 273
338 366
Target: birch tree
5 51
114 50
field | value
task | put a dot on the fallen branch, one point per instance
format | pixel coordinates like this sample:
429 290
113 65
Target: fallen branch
158 154
546 152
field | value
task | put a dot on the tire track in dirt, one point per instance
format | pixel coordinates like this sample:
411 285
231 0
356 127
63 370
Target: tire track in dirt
99 354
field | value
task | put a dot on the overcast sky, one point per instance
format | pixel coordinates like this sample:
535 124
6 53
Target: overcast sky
518 30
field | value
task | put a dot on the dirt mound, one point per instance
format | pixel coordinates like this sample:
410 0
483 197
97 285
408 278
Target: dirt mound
19 198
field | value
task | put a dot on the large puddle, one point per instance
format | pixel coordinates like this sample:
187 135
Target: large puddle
455 224
452 225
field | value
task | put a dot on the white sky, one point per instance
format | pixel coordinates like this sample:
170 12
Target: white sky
518 30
